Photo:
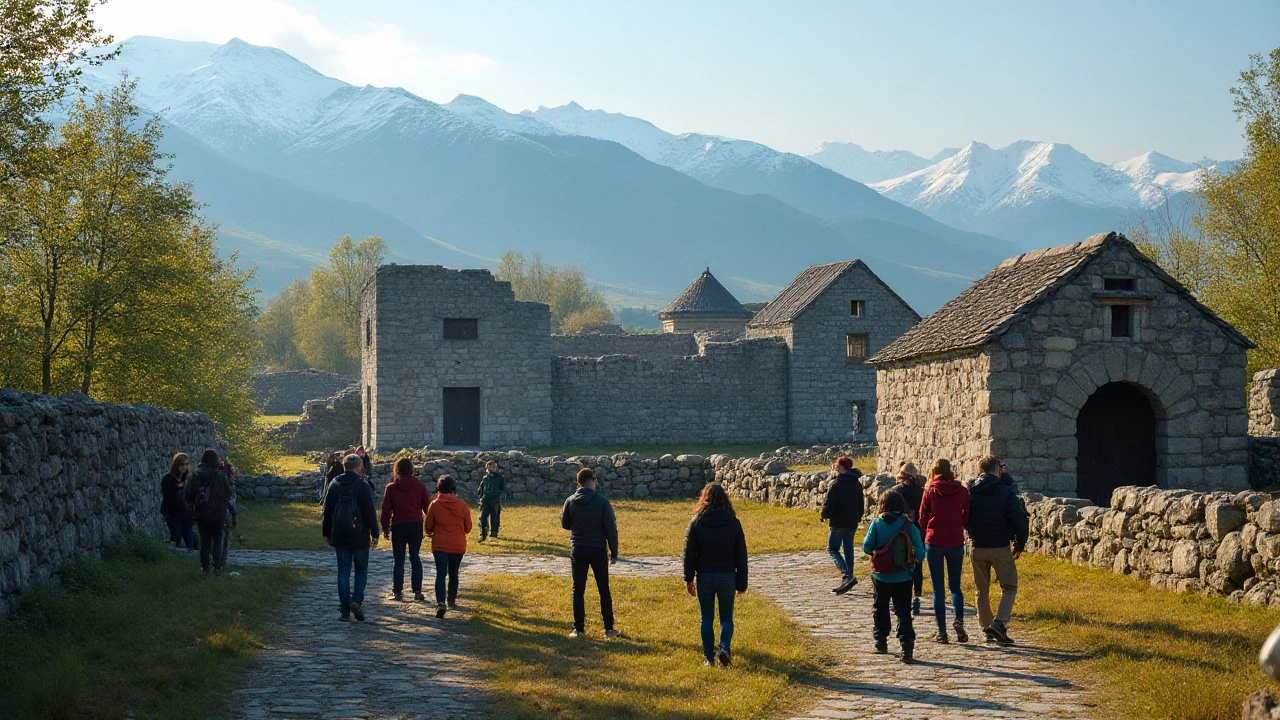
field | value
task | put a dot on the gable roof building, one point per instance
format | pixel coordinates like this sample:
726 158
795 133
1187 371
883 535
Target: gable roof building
705 305
1085 367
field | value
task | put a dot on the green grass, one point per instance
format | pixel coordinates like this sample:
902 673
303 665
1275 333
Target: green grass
645 527
137 634
272 421
291 464
653 671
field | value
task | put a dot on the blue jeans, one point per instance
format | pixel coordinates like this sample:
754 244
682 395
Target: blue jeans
842 539
710 587
952 557
349 552
447 565
182 531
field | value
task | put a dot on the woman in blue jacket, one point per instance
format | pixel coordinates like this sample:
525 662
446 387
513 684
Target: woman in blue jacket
892 564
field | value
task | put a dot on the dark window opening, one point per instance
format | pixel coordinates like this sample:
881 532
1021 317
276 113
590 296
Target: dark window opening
461 328
1119 284
855 347
855 308
368 332
1121 321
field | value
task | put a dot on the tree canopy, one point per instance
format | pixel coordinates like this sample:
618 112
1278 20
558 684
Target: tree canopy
574 303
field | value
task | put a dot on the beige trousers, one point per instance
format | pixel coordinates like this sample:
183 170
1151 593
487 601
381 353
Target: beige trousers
984 561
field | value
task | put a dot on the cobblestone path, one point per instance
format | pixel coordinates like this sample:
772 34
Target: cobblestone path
403 663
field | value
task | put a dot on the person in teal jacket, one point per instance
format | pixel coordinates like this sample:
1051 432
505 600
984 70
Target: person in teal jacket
893 587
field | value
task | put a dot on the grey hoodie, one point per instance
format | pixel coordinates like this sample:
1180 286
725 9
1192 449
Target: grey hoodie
589 517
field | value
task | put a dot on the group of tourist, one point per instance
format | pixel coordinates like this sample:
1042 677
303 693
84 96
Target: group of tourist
929 520
202 499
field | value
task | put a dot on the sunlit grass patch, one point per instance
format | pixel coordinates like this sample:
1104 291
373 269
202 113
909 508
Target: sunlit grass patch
291 464
271 421
279 526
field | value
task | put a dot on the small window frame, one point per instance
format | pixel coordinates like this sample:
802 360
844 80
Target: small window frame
461 328
1121 317
1120 284
857 308
856 347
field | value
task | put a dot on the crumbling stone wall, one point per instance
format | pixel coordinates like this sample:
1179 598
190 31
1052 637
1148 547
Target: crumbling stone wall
642 345
76 474
283 393
331 423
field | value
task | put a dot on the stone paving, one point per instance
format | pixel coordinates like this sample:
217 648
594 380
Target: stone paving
403 663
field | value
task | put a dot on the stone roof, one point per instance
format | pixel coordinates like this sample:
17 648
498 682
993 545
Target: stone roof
705 298
807 287
989 306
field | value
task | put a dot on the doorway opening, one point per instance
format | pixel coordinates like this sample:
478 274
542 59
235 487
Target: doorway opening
462 416
1116 442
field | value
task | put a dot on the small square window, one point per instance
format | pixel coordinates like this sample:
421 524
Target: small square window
461 328
1121 321
1128 284
855 347
855 308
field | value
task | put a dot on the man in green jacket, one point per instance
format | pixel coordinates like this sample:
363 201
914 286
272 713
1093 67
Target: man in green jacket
491 489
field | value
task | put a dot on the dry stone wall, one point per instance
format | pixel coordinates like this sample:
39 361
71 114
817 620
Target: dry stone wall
76 474
284 393
331 423
642 345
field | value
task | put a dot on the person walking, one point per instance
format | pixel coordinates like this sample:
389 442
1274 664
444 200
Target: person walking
997 518
944 511
910 486
173 502
350 527
405 503
895 547
491 489
715 552
448 522
593 545
843 508
208 492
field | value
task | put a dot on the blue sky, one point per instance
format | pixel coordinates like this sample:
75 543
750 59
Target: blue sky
1114 79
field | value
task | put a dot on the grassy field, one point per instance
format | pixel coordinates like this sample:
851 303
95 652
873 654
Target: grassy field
645 527
654 451
137 634
653 671
271 421
291 464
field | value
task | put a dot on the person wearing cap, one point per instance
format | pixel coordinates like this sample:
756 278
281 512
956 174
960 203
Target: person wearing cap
911 487
843 509
593 545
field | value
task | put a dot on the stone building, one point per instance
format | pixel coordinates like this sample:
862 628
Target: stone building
833 318
1085 367
705 306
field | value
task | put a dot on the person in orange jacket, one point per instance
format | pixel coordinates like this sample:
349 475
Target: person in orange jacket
448 523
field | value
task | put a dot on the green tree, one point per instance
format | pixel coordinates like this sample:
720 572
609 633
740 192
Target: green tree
565 289
275 331
327 321
1167 236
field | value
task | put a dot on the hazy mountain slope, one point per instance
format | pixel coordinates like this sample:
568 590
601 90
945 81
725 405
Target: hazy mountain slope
867 166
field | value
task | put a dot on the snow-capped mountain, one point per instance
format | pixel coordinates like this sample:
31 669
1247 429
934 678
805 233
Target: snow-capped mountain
869 166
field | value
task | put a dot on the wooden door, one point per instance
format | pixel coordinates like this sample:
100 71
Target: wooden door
1116 442
461 416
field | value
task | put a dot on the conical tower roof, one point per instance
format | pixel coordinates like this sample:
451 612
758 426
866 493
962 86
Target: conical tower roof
706 298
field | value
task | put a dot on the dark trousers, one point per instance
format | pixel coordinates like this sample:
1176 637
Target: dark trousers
490 518
713 587
406 536
951 558
596 560
447 565
182 531
917 579
211 542
899 594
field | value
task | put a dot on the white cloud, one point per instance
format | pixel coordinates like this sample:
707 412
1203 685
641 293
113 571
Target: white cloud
375 55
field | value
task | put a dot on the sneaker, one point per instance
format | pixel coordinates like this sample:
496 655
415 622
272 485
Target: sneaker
961 635
991 637
845 586
723 655
345 617
440 608
915 606
398 597
941 638
1001 635
576 633
217 572
419 597
611 633
882 647
708 663
357 612
453 606
908 656
481 539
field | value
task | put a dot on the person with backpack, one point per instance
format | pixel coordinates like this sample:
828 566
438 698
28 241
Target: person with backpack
350 527
911 488
208 493
173 502
491 489
843 508
944 511
448 522
593 545
715 552
405 503
997 517
894 544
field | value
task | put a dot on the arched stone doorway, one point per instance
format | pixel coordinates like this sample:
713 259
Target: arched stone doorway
1116 442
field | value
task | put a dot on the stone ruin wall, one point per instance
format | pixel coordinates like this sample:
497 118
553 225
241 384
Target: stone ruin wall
285 392
1264 429
649 346
935 409
76 475
331 423
730 393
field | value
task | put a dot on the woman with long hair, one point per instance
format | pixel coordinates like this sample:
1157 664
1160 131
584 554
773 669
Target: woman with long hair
173 504
911 487
715 552
944 511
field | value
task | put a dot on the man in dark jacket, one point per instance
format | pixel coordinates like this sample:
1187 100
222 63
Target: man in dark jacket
593 545
997 518
208 492
843 507
350 526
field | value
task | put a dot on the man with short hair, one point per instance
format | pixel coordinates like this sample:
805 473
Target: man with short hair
997 517
843 507
593 545
490 491
350 527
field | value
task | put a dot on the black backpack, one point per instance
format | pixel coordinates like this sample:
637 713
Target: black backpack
347 519
211 501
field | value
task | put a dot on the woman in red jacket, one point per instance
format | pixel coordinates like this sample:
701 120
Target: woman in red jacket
448 522
404 506
944 511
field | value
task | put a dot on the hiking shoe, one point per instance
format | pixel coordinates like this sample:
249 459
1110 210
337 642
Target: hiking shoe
453 606
708 663
723 655
908 656
345 617
357 612
882 647
482 539
419 597
440 608
398 597
845 586
611 633
217 572
915 606
941 638
997 631
961 635
576 633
